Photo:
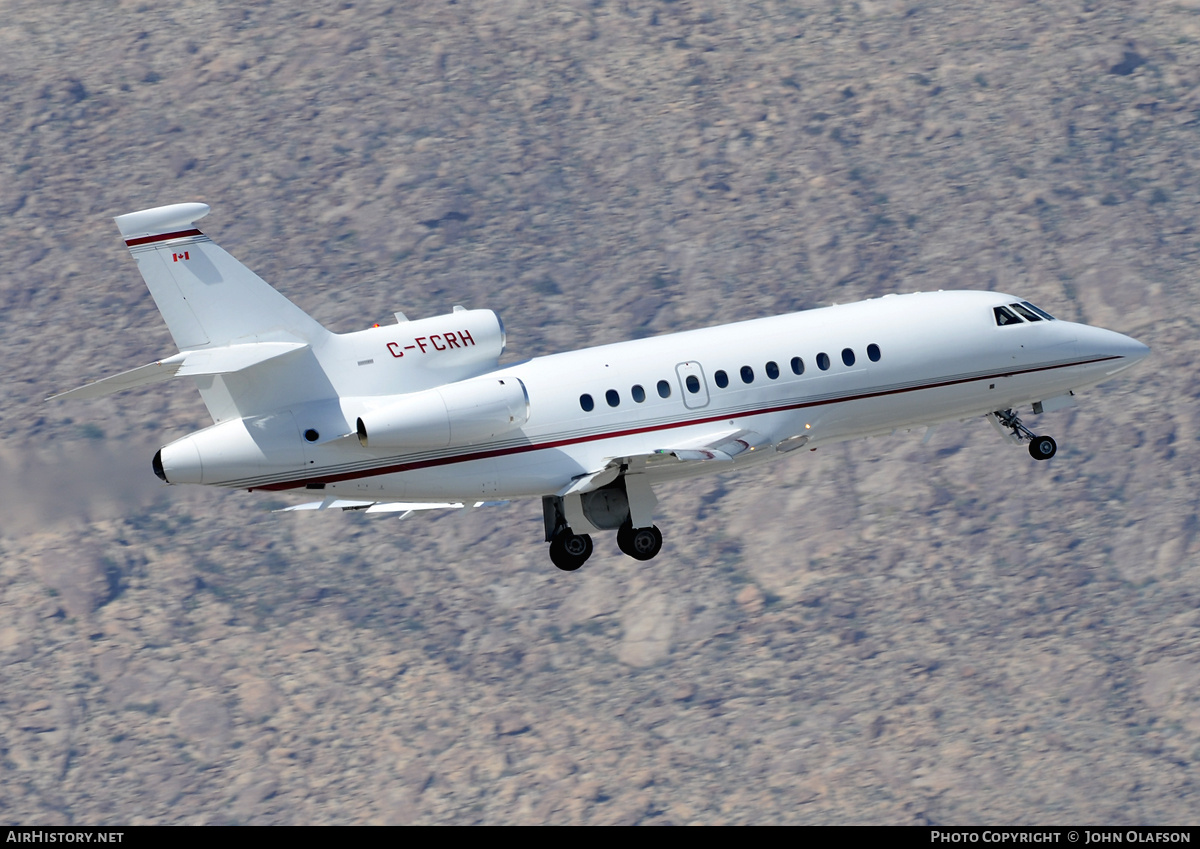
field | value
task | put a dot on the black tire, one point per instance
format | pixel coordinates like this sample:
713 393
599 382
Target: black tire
639 543
569 550
1042 447
624 534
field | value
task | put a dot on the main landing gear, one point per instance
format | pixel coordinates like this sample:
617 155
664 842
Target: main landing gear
602 510
1040 447
569 551
639 543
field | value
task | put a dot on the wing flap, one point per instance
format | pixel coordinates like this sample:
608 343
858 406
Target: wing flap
722 447
719 447
405 508
694 454
592 480
328 503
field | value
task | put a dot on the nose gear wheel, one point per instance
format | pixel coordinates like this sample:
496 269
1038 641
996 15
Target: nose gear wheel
1040 447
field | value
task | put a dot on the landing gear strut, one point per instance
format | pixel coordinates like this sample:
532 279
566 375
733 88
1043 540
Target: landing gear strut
1040 447
639 543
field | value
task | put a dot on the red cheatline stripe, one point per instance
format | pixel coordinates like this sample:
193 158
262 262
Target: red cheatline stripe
577 440
161 237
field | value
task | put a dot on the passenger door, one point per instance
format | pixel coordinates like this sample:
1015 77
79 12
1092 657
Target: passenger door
692 385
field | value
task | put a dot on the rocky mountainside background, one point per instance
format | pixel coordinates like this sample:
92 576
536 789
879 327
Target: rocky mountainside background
886 631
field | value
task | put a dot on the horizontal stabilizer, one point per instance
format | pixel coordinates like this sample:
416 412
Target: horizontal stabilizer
226 360
140 376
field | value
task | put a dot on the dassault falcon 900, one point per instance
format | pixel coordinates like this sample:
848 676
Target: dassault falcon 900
420 414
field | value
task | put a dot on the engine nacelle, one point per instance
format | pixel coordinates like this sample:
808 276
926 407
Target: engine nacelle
445 343
455 414
236 450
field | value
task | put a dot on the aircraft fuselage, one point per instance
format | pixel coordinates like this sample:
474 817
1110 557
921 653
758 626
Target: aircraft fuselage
420 415
937 357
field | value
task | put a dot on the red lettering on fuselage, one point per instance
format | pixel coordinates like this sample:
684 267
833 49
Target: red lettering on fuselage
435 341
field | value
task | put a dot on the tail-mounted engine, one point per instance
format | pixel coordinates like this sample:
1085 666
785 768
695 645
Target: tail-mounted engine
236 450
456 414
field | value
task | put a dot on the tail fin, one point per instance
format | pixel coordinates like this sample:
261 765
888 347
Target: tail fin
206 297
216 308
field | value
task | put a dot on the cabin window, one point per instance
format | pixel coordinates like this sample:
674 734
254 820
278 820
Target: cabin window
848 356
612 397
797 365
720 378
772 371
638 393
1028 315
1040 312
586 402
664 389
1004 316
823 361
873 353
747 374
692 383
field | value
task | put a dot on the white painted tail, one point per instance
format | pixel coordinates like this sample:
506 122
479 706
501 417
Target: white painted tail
252 352
212 303
207 297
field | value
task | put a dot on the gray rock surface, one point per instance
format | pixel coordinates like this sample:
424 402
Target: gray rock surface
884 631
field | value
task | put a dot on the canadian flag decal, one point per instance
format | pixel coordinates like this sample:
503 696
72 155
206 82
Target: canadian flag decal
177 257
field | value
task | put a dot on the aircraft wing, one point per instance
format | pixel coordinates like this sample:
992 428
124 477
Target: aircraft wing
223 360
720 447
405 508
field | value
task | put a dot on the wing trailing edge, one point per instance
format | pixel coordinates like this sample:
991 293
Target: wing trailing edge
404 508
720 447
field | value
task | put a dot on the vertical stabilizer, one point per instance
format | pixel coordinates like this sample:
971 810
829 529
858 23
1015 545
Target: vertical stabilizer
213 303
206 297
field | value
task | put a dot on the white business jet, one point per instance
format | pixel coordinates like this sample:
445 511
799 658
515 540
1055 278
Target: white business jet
420 415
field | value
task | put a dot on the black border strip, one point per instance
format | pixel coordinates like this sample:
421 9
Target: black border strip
162 237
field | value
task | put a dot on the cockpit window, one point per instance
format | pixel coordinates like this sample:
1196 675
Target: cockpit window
1040 312
1004 316
1025 313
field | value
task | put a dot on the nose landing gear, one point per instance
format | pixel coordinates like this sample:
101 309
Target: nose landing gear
1040 447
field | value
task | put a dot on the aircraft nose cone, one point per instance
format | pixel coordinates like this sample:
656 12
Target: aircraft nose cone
1108 343
1128 348
1137 351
